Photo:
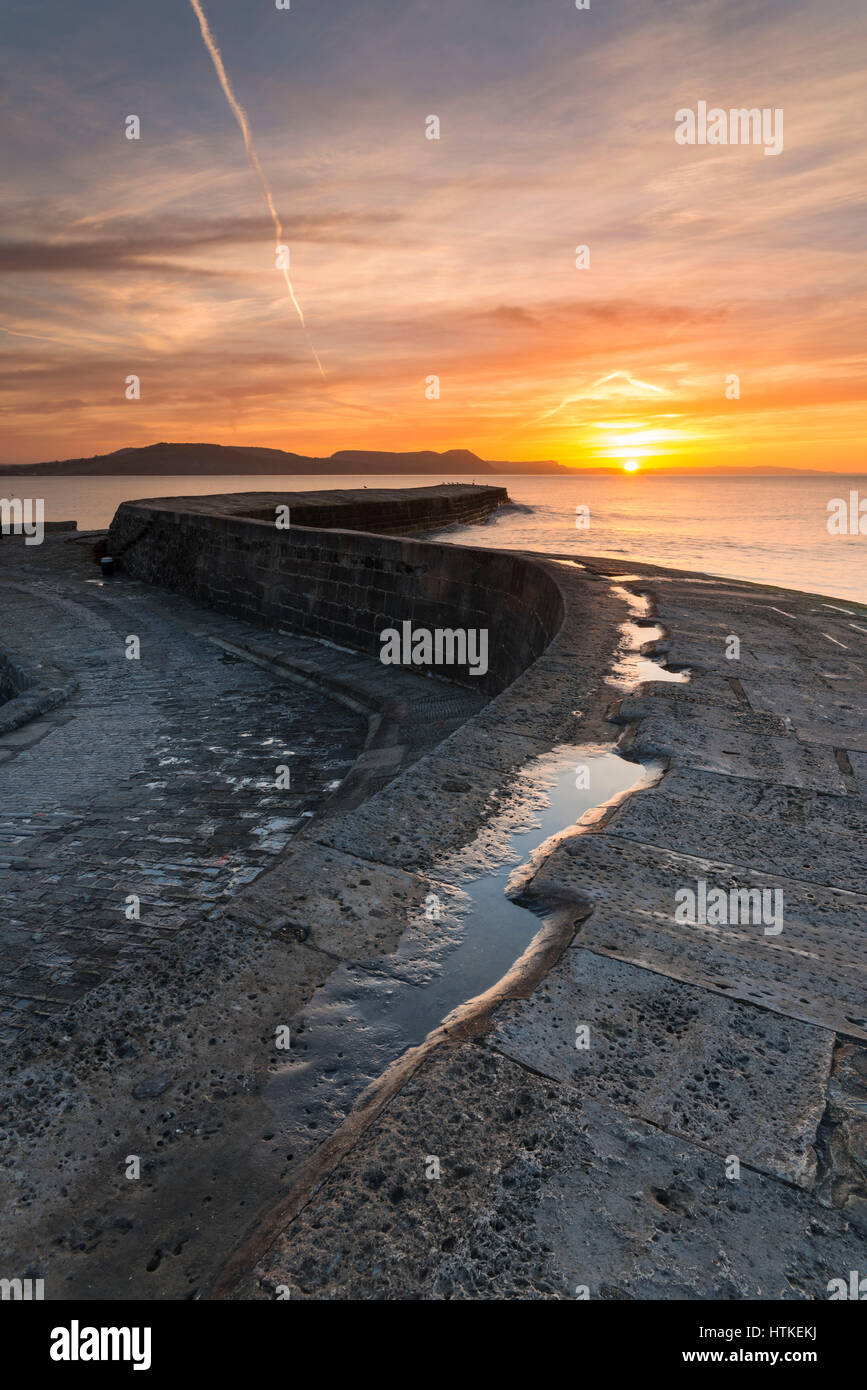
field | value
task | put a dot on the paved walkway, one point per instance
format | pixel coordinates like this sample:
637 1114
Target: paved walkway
677 1109
708 1143
157 778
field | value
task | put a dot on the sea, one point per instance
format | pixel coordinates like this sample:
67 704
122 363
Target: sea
772 529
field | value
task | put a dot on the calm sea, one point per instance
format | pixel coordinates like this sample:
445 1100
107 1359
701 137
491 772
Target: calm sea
769 529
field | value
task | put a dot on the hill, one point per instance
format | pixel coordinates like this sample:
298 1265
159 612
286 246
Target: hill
154 460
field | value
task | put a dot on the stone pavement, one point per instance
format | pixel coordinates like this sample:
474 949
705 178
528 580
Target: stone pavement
677 1109
154 1036
710 1140
173 1058
157 777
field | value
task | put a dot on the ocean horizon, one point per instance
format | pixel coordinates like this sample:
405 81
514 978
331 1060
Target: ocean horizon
768 529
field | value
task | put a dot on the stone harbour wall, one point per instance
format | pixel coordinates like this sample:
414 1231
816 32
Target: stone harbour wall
394 512
345 585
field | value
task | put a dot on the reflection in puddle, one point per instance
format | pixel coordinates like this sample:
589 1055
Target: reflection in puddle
631 668
363 1018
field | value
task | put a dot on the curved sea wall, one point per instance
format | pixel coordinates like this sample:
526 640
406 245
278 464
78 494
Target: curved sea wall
387 511
13 680
347 585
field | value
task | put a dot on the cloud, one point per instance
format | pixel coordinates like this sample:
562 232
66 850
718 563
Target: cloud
614 386
416 257
135 245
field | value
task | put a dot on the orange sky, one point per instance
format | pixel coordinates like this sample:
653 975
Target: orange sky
454 257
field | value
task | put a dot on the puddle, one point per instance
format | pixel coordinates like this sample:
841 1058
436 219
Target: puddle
468 937
631 668
364 1017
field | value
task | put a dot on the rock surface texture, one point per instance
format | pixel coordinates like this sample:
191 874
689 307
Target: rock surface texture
709 1141
652 1107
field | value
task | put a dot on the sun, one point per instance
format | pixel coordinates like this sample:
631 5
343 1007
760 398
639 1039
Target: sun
631 465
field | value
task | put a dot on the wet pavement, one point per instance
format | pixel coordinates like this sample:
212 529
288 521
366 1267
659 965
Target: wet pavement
675 1108
708 1142
157 780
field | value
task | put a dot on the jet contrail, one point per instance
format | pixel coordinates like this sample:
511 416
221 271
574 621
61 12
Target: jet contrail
603 381
44 338
241 117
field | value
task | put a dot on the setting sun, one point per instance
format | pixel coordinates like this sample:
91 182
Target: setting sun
631 465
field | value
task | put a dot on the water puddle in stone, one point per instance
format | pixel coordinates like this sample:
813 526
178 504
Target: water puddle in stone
631 668
459 941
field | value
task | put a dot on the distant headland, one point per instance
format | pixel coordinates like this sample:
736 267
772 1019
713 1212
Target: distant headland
210 459
235 460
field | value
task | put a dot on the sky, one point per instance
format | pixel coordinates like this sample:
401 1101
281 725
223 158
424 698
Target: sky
412 258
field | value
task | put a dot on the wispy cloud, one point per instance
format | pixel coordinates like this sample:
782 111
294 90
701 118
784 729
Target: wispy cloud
127 244
454 258
614 385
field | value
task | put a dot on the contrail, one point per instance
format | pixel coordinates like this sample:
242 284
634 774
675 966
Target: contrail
241 117
603 381
44 338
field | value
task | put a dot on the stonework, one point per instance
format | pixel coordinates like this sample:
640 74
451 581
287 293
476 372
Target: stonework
346 586
709 1144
